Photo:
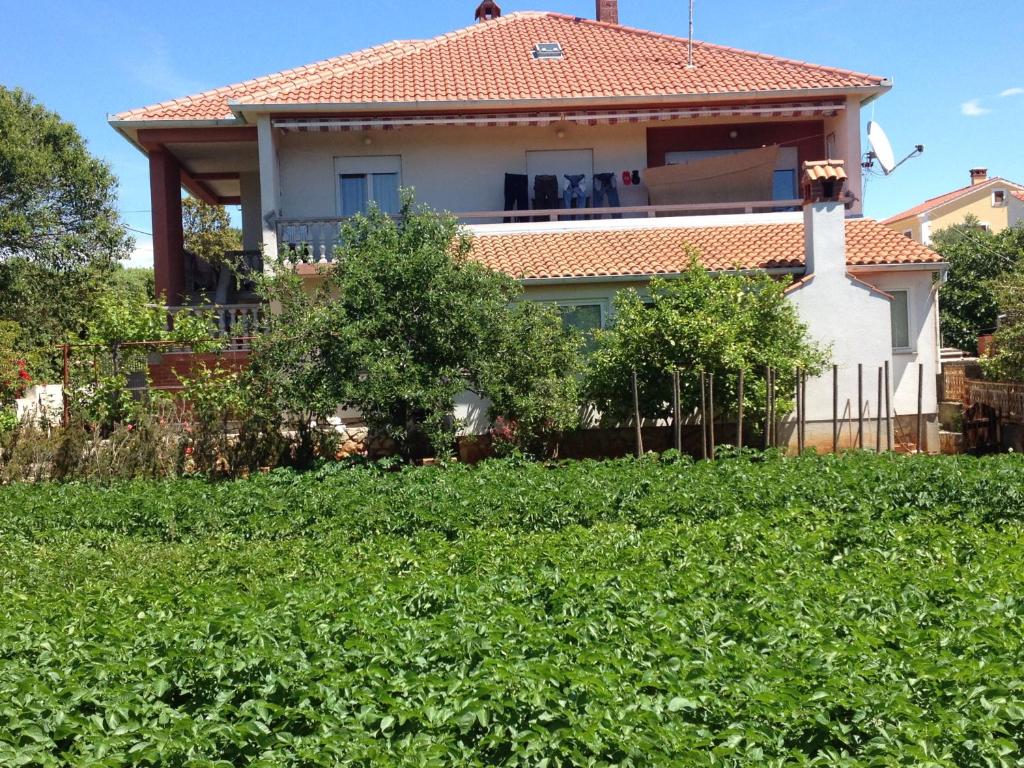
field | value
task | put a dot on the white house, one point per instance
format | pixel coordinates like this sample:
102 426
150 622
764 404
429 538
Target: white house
666 144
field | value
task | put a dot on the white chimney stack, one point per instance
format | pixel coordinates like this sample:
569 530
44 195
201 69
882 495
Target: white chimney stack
824 183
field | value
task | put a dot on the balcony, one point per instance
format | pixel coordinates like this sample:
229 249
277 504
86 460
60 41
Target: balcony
236 324
312 240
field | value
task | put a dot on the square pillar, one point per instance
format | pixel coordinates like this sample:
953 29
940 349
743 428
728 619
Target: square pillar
269 187
252 206
168 237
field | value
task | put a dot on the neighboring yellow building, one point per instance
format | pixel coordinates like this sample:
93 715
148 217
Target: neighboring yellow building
996 203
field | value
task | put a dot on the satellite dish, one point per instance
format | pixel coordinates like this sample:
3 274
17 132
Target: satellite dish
881 148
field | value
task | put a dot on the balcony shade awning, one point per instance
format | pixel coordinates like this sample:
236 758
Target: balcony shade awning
603 117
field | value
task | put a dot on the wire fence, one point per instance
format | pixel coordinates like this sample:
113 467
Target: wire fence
783 419
142 367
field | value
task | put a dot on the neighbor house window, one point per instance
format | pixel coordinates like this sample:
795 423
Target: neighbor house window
999 197
908 233
900 309
585 317
366 180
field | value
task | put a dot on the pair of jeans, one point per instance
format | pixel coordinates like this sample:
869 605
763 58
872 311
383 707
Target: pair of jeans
606 195
575 196
545 194
517 194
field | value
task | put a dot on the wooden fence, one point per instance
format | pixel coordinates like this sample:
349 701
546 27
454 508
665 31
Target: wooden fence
1007 400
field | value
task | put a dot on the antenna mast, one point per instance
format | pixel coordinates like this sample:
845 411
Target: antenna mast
689 45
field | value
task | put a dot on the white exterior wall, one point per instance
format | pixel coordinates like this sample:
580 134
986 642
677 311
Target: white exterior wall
853 321
852 316
924 338
454 168
463 169
844 130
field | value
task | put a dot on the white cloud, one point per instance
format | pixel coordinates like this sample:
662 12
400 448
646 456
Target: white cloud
156 70
1011 92
142 255
973 108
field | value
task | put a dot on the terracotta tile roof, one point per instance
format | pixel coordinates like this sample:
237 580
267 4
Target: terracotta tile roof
1018 193
213 104
492 61
826 170
662 250
949 197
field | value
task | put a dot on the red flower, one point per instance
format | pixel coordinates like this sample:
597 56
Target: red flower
188 450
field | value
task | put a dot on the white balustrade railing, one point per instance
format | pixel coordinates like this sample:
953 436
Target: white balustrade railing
312 241
234 322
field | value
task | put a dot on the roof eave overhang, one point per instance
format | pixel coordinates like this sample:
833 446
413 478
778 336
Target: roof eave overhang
919 266
241 109
129 129
642 277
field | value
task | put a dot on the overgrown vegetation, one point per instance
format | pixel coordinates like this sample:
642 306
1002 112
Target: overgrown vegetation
402 323
1006 360
720 324
852 611
976 258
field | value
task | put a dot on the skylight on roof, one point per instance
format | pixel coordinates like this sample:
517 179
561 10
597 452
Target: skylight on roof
548 51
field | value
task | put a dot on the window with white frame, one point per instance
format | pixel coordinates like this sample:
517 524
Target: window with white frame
899 308
998 198
366 180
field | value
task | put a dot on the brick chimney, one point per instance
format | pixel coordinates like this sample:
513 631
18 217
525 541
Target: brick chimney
824 183
608 10
487 10
978 176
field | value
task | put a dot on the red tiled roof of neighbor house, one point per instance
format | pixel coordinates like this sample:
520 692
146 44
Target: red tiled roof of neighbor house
663 250
949 197
1019 194
493 61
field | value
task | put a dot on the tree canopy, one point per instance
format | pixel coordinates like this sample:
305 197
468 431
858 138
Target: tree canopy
1006 361
207 230
57 201
403 322
719 324
60 239
968 306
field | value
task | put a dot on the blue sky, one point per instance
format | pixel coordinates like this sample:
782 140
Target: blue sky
950 61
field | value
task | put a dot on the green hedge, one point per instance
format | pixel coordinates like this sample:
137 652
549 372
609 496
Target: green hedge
819 611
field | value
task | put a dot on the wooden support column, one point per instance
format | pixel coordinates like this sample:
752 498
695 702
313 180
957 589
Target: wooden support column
168 239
